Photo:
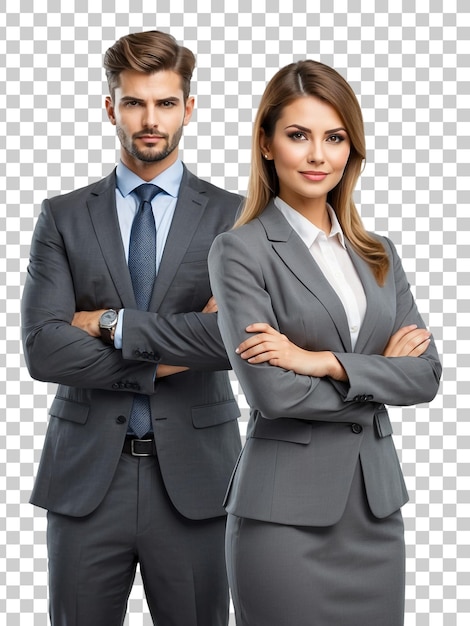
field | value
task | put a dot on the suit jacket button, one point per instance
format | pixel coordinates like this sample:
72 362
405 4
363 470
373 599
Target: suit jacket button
115 385
356 428
121 419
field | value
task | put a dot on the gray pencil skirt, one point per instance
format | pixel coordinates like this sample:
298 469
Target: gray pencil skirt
349 574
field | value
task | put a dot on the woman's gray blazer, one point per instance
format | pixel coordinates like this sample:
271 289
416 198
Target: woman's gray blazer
306 434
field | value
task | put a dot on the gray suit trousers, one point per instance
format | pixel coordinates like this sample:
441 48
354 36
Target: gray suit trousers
93 559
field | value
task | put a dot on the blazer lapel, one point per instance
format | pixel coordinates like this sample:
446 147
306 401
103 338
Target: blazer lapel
294 253
373 299
103 214
188 212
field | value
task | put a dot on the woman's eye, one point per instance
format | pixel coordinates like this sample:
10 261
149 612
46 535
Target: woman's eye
335 138
298 136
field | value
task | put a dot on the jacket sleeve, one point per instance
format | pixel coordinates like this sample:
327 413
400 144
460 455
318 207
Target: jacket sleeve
398 381
54 350
238 285
190 339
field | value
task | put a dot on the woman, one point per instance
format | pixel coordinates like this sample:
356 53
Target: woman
322 332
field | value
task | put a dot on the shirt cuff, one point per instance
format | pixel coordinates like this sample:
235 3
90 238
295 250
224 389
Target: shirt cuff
118 330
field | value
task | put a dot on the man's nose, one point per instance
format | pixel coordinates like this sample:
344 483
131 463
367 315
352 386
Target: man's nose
150 117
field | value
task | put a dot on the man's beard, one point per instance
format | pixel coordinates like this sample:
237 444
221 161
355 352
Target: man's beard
149 155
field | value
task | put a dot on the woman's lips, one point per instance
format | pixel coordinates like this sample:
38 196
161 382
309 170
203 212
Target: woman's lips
315 176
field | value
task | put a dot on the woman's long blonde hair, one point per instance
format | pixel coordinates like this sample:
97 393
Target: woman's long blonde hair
311 78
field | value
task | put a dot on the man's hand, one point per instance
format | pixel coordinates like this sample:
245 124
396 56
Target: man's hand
211 306
168 370
89 321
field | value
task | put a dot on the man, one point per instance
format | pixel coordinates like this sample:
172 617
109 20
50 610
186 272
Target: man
143 431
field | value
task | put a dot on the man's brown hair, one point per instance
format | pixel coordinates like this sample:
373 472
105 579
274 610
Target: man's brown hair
148 52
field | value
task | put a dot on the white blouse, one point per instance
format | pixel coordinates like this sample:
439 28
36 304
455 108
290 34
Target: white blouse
331 255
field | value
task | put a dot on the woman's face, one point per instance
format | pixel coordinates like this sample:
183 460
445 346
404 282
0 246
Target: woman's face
310 148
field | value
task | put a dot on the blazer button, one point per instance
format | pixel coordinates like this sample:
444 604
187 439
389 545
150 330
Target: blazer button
356 428
121 419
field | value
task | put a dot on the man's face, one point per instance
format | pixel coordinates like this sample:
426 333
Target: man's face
149 113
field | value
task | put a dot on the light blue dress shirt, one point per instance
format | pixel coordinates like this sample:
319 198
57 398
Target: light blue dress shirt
163 206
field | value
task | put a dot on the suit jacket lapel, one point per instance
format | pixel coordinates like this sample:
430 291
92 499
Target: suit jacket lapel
188 212
103 214
292 250
373 298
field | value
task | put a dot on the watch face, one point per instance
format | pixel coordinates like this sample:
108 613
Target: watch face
108 318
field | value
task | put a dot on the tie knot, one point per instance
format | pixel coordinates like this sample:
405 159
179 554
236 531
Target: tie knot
146 192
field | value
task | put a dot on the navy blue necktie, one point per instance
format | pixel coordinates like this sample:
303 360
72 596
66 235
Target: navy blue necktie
142 261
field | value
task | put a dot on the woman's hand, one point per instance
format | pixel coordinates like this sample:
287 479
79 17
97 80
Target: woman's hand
267 345
408 341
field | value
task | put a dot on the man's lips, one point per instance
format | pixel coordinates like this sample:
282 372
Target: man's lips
150 138
315 176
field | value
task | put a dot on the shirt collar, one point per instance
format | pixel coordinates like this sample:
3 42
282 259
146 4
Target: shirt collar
307 231
169 180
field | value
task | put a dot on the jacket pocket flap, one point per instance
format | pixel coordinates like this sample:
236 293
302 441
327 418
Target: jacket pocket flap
214 414
68 410
292 430
383 424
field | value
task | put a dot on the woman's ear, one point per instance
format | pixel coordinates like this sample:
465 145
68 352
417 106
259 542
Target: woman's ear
264 145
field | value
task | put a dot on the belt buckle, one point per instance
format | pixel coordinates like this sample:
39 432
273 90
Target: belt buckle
134 453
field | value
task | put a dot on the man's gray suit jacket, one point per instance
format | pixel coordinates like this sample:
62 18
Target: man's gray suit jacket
306 434
77 263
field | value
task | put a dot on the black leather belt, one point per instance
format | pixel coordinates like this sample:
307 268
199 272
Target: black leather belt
140 447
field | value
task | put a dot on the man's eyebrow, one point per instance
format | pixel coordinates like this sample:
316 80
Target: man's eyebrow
131 99
136 99
169 99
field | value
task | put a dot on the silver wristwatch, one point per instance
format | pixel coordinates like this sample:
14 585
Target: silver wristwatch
107 323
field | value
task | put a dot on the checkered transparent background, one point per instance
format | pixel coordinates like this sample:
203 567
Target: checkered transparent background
408 62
